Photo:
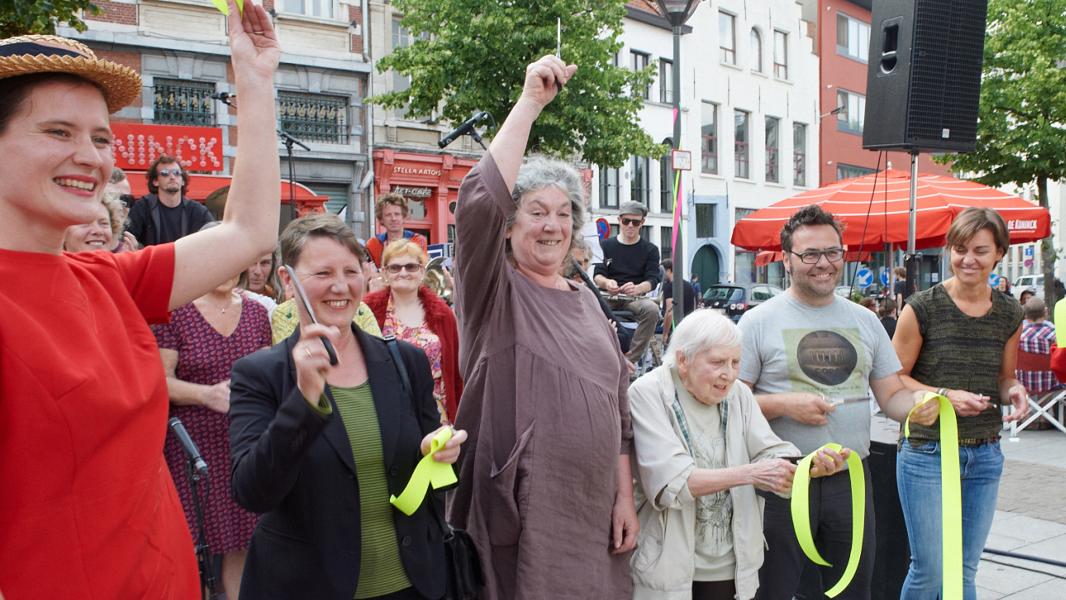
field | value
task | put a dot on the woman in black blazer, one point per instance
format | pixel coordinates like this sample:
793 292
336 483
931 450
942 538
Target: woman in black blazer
319 449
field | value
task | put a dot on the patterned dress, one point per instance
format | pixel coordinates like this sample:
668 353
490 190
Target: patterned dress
205 356
423 337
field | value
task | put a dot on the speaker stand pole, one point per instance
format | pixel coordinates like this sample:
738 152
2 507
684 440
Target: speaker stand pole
911 260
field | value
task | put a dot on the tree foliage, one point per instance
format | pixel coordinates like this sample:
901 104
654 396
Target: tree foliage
470 55
21 17
1021 132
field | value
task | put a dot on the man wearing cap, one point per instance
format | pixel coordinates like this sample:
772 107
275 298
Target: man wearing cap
166 215
630 268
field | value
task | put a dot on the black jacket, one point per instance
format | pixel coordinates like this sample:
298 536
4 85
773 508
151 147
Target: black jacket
145 222
296 467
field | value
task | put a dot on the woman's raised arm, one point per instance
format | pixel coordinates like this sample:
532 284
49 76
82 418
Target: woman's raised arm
250 225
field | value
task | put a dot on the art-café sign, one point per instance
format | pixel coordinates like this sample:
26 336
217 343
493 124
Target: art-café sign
136 145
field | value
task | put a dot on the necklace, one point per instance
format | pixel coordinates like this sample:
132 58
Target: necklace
220 309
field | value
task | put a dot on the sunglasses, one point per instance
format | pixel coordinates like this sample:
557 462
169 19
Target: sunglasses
631 222
409 267
127 199
169 172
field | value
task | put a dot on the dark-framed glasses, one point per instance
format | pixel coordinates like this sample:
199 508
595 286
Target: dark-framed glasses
811 257
631 222
409 267
127 199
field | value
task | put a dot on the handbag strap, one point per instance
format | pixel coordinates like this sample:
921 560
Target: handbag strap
405 382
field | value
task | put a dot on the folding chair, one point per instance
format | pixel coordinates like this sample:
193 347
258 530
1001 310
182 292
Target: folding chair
1046 404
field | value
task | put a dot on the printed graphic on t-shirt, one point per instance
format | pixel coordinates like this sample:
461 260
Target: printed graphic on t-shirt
829 362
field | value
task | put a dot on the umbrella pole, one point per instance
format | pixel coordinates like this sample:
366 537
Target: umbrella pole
910 261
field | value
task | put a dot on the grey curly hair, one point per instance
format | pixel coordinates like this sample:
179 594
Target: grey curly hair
538 172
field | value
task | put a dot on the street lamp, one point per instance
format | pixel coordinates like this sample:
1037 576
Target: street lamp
677 12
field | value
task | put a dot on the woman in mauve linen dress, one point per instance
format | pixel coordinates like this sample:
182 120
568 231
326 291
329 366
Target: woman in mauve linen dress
546 491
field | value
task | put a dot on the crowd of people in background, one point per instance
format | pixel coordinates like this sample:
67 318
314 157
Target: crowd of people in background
578 474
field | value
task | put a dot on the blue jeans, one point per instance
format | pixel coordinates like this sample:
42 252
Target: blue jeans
918 480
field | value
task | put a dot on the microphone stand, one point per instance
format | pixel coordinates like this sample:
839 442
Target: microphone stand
203 550
290 141
477 138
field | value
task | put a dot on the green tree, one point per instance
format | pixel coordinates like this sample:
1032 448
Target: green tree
21 17
1021 131
470 55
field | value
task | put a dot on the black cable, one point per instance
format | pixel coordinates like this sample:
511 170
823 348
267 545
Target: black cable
1021 568
866 221
1039 559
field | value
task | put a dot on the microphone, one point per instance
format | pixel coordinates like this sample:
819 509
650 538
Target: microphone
467 126
223 96
188 445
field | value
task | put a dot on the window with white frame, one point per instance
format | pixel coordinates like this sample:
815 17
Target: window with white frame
727 38
740 143
608 187
852 111
708 137
853 37
666 242
666 179
640 180
799 153
756 50
666 81
309 8
773 136
401 38
780 54
639 62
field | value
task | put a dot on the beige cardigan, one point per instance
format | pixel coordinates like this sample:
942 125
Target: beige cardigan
664 562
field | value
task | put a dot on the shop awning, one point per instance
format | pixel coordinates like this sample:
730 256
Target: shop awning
201 186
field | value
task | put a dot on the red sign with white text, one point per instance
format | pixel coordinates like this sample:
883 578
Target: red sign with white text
137 145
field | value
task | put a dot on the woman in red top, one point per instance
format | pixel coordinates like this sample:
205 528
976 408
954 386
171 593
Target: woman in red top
88 509
410 311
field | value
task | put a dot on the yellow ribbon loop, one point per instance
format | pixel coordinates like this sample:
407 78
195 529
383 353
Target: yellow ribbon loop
950 493
801 515
428 472
223 7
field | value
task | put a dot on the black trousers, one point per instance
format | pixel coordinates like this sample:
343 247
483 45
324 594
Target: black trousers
830 514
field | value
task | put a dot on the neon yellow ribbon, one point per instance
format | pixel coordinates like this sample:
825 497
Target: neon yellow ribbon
223 7
427 472
950 493
801 515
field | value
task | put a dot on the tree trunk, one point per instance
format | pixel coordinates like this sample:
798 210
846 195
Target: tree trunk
1047 249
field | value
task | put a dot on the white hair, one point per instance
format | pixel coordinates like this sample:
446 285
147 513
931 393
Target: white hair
701 330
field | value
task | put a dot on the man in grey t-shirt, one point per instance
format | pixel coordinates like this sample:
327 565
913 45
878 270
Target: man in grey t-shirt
811 356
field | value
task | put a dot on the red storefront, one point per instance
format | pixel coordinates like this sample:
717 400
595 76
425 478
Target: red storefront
430 182
199 150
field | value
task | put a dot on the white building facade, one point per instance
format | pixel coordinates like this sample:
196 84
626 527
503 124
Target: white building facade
749 111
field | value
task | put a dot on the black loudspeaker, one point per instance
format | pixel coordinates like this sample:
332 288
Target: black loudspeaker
923 85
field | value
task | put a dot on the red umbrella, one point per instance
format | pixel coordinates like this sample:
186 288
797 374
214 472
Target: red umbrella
939 199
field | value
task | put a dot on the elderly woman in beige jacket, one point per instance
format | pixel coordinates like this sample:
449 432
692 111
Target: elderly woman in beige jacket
702 449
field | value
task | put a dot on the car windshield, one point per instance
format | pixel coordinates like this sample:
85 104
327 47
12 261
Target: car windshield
724 293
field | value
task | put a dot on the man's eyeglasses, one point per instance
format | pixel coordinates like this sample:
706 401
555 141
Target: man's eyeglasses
811 257
409 267
631 222
169 172
127 199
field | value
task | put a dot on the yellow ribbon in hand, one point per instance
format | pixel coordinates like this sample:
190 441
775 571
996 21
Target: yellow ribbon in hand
950 493
801 515
223 7
427 472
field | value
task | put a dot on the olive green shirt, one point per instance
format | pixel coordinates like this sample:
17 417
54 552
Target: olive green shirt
960 352
380 569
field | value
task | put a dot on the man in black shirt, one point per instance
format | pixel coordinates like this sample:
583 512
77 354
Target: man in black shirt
165 214
689 298
629 271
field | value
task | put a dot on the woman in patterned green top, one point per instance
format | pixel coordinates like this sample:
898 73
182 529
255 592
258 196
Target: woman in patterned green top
960 339
319 449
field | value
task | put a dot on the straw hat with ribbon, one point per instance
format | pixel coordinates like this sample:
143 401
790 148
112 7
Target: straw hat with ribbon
30 54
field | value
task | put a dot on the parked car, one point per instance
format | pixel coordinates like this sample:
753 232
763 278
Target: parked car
735 299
